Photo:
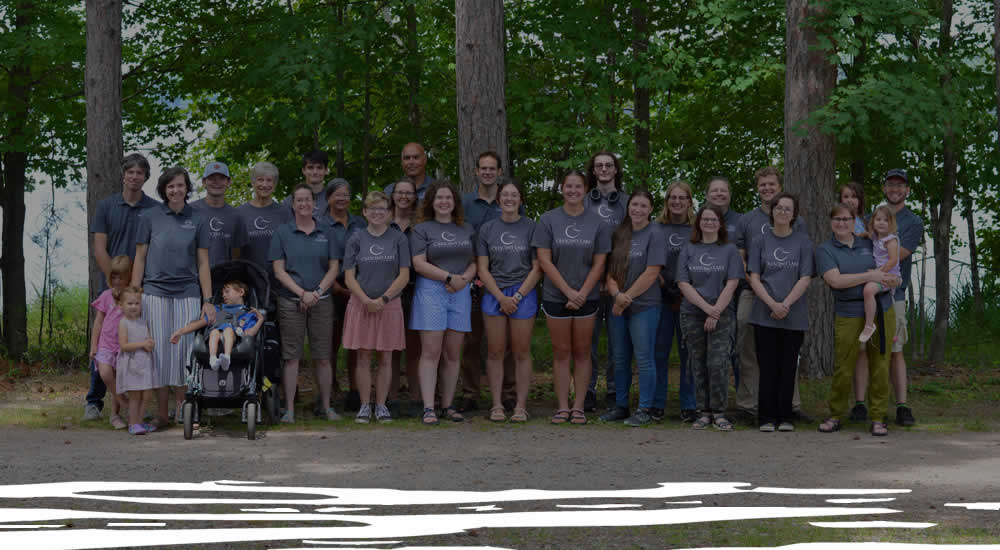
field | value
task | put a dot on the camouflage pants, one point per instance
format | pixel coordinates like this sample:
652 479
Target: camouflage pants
709 359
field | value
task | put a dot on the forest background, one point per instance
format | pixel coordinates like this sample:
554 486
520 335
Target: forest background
829 90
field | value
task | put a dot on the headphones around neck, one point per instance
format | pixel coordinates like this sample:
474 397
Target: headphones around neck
595 195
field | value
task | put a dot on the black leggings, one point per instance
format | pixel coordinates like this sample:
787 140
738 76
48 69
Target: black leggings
777 355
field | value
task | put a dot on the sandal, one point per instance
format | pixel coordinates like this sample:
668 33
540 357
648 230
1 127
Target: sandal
497 414
520 415
451 413
429 418
879 429
561 416
722 424
577 416
830 425
701 423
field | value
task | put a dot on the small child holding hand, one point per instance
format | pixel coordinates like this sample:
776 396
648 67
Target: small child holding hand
232 320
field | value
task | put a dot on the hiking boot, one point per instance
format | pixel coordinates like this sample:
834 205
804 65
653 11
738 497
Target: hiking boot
859 413
615 414
656 414
904 416
640 418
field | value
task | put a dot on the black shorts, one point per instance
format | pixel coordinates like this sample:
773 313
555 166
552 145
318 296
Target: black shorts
557 310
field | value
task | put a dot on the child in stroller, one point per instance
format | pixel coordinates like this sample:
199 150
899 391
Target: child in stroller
233 320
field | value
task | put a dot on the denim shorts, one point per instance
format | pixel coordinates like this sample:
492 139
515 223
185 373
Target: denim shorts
526 308
434 308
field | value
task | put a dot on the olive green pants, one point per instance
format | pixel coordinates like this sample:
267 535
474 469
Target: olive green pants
845 356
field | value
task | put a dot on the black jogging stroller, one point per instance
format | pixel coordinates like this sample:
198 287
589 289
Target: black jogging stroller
251 382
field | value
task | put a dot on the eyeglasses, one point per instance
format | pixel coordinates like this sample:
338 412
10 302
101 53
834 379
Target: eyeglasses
783 209
377 210
842 220
600 165
709 220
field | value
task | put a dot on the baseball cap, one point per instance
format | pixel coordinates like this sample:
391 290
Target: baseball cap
897 173
215 168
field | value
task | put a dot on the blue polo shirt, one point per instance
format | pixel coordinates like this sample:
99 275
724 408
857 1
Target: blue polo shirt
174 238
307 256
119 220
849 260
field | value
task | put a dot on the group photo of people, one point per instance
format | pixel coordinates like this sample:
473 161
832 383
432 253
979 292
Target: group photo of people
428 291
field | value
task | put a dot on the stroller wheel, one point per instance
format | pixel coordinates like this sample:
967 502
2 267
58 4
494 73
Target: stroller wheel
252 420
188 409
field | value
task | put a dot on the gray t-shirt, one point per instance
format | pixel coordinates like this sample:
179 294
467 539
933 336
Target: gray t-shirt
910 228
674 237
307 257
508 246
781 262
573 241
754 223
226 231
732 219
857 258
171 268
648 248
446 245
612 213
260 223
376 260
707 267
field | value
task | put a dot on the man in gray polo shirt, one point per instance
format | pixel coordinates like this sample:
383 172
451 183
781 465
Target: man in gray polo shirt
114 226
226 232
413 160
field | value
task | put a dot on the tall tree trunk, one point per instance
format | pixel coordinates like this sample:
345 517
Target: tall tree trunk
15 168
941 216
640 43
977 287
996 60
341 165
414 68
367 122
479 73
810 163
103 92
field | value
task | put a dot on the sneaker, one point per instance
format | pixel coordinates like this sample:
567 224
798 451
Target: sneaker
610 400
904 416
364 414
287 418
656 414
382 414
117 422
590 402
859 413
640 418
786 427
866 334
137 429
331 415
352 401
91 412
615 414
223 361
689 415
150 428
767 427
213 362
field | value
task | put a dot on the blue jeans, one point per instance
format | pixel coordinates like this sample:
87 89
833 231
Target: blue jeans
603 318
635 335
669 330
95 395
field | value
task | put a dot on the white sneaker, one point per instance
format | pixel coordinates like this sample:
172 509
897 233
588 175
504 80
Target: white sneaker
223 361
364 415
213 362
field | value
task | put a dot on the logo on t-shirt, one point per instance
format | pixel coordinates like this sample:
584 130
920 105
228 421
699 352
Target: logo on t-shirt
636 250
376 250
675 240
261 223
781 260
706 263
781 254
321 238
603 211
188 224
572 231
447 236
507 238
215 224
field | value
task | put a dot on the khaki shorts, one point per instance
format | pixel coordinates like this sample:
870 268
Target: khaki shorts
317 321
901 336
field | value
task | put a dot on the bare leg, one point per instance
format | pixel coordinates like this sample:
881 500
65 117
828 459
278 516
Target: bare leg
136 400
496 343
413 363
162 395
228 338
430 352
583 331
364 374
451 350
861 377
324 376
383 377
560 332
870 292
289 380
108 376
897 375
213 343
520 344
179 392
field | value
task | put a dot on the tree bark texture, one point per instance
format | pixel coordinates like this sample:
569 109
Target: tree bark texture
810 158
103 91
479 73
640 43
996 59
941 216
15 168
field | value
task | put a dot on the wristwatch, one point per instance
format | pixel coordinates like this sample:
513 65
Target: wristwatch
385 299
518 296
447 280
206 300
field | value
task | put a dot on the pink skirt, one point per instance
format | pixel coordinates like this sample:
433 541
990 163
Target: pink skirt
382 331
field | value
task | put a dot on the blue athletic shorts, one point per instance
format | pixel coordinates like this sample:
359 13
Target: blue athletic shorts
434 308
526 308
